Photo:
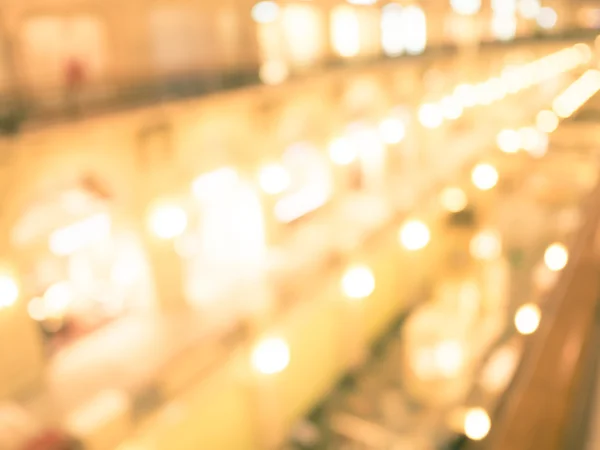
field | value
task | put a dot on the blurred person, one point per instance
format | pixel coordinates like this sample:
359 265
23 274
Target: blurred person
75 77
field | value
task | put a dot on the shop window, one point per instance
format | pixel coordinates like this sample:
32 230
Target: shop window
49 44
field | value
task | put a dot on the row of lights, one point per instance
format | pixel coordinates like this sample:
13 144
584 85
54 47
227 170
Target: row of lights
511 81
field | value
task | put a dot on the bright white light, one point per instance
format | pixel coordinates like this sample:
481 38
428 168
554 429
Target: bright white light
358 282
453 199
415 30
431 115
168 221
547 18
529 9
541 146
527 319
220 180
547 121
414 235
274 179
345 31
556 257
274 72
509 141
9 291
68 240
585 52
271 356
57 299
466 7
486 245
504 27
392 34
530 138
392 130
265 12
449 358
452 108
484 177
342 151
477 424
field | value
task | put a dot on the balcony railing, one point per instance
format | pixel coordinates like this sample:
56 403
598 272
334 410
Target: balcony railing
24 107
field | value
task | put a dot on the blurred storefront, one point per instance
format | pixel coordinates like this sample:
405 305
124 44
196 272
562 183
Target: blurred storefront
80 268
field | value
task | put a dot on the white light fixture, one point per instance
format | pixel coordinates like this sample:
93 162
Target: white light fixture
453 199
508 141
477 424
415 30
9 291
527 319
265 12
547 121
274 179
431 115
392 33
168 221
392 130
547 18
414 235
484 177
358 282
271 356
342 151
486 245
556 257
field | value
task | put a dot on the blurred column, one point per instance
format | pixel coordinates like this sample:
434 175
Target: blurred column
248 45
21 351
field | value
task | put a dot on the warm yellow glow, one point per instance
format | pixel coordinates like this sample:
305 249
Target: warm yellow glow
486 245
431 115
9 291
530 138
36 309
392 130
547 121
358 282
265 12
453 199
556 257
274 179
414 235
342 151
529 9
509 141
466 7
585 52
220 180
57 300
484 177
271 356
449 358
168 221
527 319
345 31
452 108
584 88
477 424
274 72
68 240
466 94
